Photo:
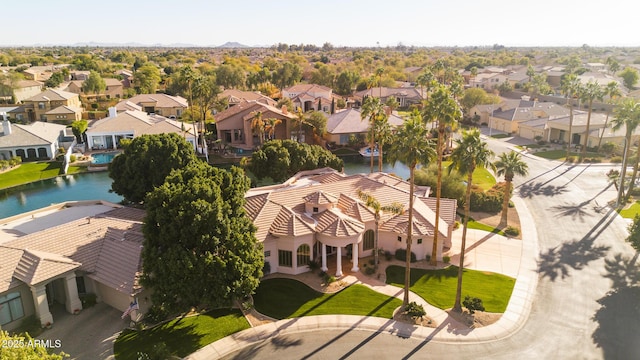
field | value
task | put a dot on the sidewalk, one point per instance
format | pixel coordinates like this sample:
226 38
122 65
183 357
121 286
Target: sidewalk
483 253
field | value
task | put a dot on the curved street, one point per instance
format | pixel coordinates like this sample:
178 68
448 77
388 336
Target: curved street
583 307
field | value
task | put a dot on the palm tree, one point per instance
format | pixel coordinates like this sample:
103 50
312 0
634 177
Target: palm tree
258 125
590 91
443 108
300 120
628 115
423 80
612 90
471 153
509 164
414 149
374 204
270 127
570 88
374 110
384 136
379 73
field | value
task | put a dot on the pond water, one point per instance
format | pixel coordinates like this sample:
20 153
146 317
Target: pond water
87 186
96 185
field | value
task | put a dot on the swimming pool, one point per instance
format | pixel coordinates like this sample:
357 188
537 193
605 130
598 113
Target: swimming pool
103 158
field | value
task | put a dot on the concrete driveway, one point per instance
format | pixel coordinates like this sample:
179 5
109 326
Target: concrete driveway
88 335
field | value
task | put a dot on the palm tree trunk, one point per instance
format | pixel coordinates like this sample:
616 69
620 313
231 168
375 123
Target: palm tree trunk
570 128
623 171
371 144
381 143
434 250
606 120
407 270
583 153
505 201
467 205
633 177
375 247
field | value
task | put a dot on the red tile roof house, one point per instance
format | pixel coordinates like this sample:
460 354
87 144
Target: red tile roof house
316 215
49 257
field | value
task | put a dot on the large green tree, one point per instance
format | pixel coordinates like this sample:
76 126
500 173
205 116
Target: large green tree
509 164
145 163
280 159
200 249
413 150
94 83
78 128
443 109
589 92
470 153
627 116
147 78
24 347
630 77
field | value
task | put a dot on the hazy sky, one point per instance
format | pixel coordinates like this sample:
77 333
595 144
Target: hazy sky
345 22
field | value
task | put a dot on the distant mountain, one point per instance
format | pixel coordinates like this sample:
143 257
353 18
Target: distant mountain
232 44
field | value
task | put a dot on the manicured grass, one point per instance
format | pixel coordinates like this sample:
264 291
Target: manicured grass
631 211
438 287
481 177
472 224
181 336
30 172
500 136
287 298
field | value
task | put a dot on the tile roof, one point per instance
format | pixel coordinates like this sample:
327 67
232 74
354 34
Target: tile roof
245 108
64 109
301 88
289 223
320 197
350 121
336 224
236 96
96 244
139 122
160 100
52 95
408 92
34 134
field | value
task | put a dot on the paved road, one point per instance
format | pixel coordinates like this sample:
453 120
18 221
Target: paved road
583 309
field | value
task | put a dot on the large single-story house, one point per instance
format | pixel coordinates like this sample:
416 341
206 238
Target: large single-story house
405 96
310 97
159 104
106 133
235 97
53 256
558 128
35 141
234 124
317 215
343 124
508 115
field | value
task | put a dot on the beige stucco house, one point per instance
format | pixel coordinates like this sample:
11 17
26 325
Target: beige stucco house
316 215
159 104
34 141
310 97
343 124
37 107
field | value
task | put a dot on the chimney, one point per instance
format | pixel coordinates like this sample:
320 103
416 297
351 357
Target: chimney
112 112
6 125
284 109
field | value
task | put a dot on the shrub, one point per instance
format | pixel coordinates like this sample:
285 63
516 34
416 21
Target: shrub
372 262
616 159
415 310
72 158
328 279
88 300
542 142
369 270
314 265
489 201
401 254
473 304
596 160
512 231
446 259
608 148
456 226
156 314
322 274
388 255
427 257
266 268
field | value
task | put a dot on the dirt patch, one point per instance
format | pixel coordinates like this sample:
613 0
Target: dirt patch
476 320
494 219
425 321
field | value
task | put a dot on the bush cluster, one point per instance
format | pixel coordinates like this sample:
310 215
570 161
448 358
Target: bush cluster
489 201
616 159
5 164
415 310
401 254
473 304
512 231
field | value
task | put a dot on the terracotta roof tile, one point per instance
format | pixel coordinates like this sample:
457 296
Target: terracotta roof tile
320 197
334 223
289 223
35 267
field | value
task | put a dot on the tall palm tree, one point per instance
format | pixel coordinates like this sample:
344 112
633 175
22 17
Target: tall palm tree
300 120
412 150
446 111
379 73
590 92
270 127
374 110
258 125
384 136
471 153
371 202
424 80
612 91
627 114
509 164
570 88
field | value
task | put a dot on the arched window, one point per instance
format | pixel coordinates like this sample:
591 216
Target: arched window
369 240
303 255
31 153
20 152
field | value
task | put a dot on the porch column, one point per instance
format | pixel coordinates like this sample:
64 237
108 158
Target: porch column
354 254
41 305
72 301
324 257
339 262
113 139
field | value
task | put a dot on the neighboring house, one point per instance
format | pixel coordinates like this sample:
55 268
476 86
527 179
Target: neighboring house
106 133
234 97
558 127
234 124
73 86
342 125
405 96
53 256
81 75
114 88
316 215
508 115
37 107
24 89
127 77
488 81
63 115
35 141
159 104
310 97
609 135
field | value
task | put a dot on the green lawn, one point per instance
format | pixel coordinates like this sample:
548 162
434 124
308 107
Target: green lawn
438 287
481 177
181 336
472 224
30 172
500 136
286 298
631 211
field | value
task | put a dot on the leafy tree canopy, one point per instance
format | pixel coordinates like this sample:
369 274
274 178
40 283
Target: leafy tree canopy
281 159
79 127
630 77
145 163
199 247
94 83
